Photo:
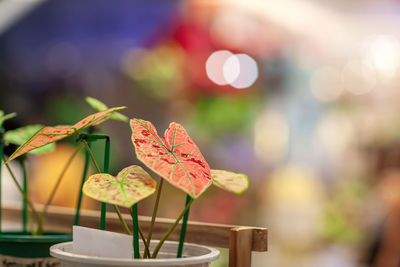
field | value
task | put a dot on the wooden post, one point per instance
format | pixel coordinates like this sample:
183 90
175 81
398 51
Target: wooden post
240 247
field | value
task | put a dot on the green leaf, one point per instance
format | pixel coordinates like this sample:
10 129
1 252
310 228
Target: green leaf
3 117
100 106
23 134
131 185
119 117
231 181
96 104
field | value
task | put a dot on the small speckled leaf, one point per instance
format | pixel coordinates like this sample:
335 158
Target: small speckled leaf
100 106
231 181
131 185
175 157
49 135
22 134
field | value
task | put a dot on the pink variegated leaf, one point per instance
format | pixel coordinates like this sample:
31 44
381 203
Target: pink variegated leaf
175 157
20 135
231 181
49 135
131 185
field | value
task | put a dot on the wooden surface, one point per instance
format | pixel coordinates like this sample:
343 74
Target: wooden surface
239 239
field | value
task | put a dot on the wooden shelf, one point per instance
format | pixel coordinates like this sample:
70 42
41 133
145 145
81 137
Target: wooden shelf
241 240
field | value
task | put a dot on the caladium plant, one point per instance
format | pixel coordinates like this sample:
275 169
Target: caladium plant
174 157
41 139
177 159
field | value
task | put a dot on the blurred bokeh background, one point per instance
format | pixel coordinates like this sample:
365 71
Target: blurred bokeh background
302 95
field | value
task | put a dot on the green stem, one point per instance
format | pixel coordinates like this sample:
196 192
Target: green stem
183 229
146 247
103 216
35 213
99 171
1 156
58 182
91 156
122 220
170 230
135 226
106 164
25 188
79 202
153 217
103 206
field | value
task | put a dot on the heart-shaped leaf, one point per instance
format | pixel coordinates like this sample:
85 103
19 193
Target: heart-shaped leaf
22 134
100 106
175 157
131 185
49 135
231 181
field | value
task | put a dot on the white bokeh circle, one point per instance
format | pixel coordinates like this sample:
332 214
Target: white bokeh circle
248 71
239 70
215 64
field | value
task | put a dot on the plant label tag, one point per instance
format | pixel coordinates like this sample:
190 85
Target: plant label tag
94 242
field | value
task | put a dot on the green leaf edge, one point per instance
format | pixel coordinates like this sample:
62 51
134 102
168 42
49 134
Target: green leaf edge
139 158
216 183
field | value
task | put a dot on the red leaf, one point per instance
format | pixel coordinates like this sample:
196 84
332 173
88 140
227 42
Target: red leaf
175 157
49 135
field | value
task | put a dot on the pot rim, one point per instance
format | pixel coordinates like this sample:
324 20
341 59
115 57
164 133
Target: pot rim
26 237
58 252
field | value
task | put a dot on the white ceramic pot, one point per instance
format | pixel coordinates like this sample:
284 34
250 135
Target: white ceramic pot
193 256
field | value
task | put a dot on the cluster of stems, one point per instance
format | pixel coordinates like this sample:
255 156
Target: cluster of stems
137 230
40 216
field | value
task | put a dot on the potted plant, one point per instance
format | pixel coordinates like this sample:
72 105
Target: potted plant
31 246
174 158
